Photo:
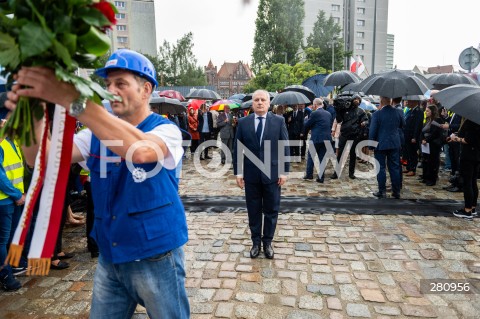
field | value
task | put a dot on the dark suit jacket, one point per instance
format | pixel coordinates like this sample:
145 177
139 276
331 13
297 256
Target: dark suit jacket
275 130
226 128
209 120
385 128
413 124
319 124
296 126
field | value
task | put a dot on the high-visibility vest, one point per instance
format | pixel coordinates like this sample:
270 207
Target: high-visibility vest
13 166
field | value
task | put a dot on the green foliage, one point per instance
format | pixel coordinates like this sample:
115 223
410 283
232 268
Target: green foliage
320 53
278 32
280 75
177 64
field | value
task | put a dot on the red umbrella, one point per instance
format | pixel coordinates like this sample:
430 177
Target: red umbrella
195 104
172 94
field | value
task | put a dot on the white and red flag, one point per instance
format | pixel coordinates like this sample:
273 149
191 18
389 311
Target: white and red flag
356 65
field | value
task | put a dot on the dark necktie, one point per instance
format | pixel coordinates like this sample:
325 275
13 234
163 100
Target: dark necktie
259 129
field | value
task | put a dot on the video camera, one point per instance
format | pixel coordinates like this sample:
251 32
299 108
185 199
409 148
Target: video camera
343 102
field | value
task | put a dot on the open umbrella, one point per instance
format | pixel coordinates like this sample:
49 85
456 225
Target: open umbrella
238 96
339 78
204 94
315 83
220 105
395 83
195 104
249 96
164 105
302 89
172 94
367 105
462 99
246 105
290 98
444 80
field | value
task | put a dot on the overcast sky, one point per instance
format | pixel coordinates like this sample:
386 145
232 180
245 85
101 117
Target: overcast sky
427 32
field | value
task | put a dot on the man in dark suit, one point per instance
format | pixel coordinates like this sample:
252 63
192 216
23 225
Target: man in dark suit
295 129
412 131
319 124
385 129
225 125
259 139
205 126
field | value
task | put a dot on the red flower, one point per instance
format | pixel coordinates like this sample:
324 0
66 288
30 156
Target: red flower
107 9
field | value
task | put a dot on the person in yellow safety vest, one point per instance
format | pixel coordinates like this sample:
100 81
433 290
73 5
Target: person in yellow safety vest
12 198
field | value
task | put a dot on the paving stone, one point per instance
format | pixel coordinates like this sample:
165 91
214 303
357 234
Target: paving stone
224 310
201 308
250 297
358 310
372 295
211 283
289 287
334 303
310 302
321 268
430 254
303 247
418 311
349 292
288 301
246 311
387 310
271 286
322 279
321 289
299 314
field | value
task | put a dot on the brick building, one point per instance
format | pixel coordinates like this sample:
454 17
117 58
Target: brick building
230 79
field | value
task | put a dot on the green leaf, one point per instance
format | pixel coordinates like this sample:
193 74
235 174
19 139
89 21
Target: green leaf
104 94
33 40
63 53
95 42
93 17
69 40
9 53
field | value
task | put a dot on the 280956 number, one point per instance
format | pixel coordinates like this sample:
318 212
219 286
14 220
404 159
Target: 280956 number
448 286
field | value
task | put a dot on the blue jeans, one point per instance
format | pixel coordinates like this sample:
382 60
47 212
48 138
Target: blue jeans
6 214
391 158
157 283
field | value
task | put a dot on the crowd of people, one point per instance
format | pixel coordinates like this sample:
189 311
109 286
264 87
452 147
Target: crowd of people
136 223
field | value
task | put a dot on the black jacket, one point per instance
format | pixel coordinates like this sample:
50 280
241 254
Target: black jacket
413 124
470 131
351 122
200 121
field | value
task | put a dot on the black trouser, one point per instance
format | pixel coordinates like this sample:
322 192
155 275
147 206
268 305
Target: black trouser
411 151
431 163
203 138
454 153
353 156
469 171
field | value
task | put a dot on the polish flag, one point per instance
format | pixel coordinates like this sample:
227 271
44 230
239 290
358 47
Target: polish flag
356 66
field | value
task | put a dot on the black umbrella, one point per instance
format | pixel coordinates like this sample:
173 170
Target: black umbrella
165 105
339 78
290 98
395 83
414 98
302 89
249 96
444 80
203 94
351 87
462 99
246 105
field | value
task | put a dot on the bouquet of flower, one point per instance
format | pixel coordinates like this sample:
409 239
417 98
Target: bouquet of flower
63 35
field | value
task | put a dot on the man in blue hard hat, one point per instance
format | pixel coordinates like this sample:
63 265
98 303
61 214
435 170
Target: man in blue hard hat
140 224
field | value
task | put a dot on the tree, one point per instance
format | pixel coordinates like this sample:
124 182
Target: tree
280 75
279 32
177 63
324 31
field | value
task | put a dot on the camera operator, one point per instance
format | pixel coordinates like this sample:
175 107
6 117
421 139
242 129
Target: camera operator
353 120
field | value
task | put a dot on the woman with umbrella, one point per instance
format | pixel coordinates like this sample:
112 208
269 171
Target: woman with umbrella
469 166
193 129
432 141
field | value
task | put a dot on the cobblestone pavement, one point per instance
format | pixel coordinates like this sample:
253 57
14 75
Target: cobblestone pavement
327 265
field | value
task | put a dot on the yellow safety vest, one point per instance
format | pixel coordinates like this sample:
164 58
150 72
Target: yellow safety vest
13 166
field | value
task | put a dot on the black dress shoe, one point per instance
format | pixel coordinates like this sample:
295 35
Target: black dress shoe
352 176
223 161
201 158
268 250
255 251
66 256
396 196
307 177
430 183
61 265
319 180
379 194
334 176
94 254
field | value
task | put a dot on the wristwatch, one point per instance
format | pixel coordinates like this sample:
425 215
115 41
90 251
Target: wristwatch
78 106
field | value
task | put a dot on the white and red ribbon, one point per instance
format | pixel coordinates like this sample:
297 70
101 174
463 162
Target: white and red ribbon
54 178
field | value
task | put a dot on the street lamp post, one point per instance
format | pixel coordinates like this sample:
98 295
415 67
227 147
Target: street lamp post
332 43
285 54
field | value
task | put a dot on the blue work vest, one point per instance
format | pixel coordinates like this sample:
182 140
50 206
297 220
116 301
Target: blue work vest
135 219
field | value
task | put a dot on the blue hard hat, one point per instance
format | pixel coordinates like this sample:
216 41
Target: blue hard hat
132 61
